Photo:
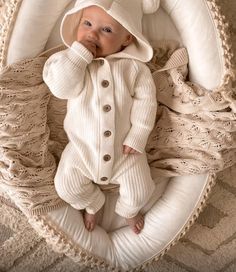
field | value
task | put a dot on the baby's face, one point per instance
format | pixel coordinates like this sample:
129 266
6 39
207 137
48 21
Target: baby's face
100 33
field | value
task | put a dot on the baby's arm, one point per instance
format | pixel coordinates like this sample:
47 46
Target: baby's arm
64 71
143 113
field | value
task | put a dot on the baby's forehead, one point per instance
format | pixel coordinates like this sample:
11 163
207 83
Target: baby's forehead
98 14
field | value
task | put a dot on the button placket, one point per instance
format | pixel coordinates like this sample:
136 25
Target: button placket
105 83
107 133
106 108
107 122
106 157
103 178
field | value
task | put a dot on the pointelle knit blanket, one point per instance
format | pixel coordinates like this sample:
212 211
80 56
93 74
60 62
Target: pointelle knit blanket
195 130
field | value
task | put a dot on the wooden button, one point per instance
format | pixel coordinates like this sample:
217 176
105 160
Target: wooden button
101 61
106 157
104 179
107 133
107 108
105 83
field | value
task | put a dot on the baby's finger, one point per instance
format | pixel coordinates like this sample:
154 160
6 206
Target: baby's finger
90 46
126 149
133 151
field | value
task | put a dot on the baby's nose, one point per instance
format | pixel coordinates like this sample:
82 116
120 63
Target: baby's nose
93 35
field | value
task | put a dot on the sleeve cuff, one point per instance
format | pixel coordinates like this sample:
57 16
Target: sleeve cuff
78 50
137 139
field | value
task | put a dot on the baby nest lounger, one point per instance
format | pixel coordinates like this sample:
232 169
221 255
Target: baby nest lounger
29 153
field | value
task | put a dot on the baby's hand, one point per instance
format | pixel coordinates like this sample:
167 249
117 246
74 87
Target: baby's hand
129 150
90 46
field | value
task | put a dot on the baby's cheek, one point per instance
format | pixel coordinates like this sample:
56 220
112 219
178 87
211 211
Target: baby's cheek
79 35
78 38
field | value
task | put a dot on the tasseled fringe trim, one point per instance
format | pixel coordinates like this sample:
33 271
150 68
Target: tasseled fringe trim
7 20
63 244
60 241
12 7
192 219
224 35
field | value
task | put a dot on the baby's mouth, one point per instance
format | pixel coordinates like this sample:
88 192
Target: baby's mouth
95 43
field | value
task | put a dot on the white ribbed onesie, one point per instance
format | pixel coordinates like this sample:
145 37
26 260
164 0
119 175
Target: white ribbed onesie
111 103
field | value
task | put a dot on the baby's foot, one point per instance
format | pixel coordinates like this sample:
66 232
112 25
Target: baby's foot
136 223
89 221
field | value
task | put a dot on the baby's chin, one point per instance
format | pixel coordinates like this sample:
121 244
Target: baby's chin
100 53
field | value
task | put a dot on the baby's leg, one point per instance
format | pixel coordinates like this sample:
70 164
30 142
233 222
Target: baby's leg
136 188
136 223
80 192
90 220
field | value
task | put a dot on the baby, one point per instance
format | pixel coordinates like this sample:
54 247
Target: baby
111 107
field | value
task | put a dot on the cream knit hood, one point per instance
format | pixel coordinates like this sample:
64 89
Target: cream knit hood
128 13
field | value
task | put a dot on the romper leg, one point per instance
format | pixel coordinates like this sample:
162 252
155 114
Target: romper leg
77 190
136 187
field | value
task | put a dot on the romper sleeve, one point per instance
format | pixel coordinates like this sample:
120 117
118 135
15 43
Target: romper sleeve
143 112
64 72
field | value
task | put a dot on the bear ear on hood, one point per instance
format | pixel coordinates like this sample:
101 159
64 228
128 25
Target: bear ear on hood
150 6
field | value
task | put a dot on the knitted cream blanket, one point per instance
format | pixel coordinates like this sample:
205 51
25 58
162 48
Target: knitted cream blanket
194 132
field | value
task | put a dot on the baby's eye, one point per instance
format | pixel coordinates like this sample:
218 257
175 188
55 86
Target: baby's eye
107 29
87 23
